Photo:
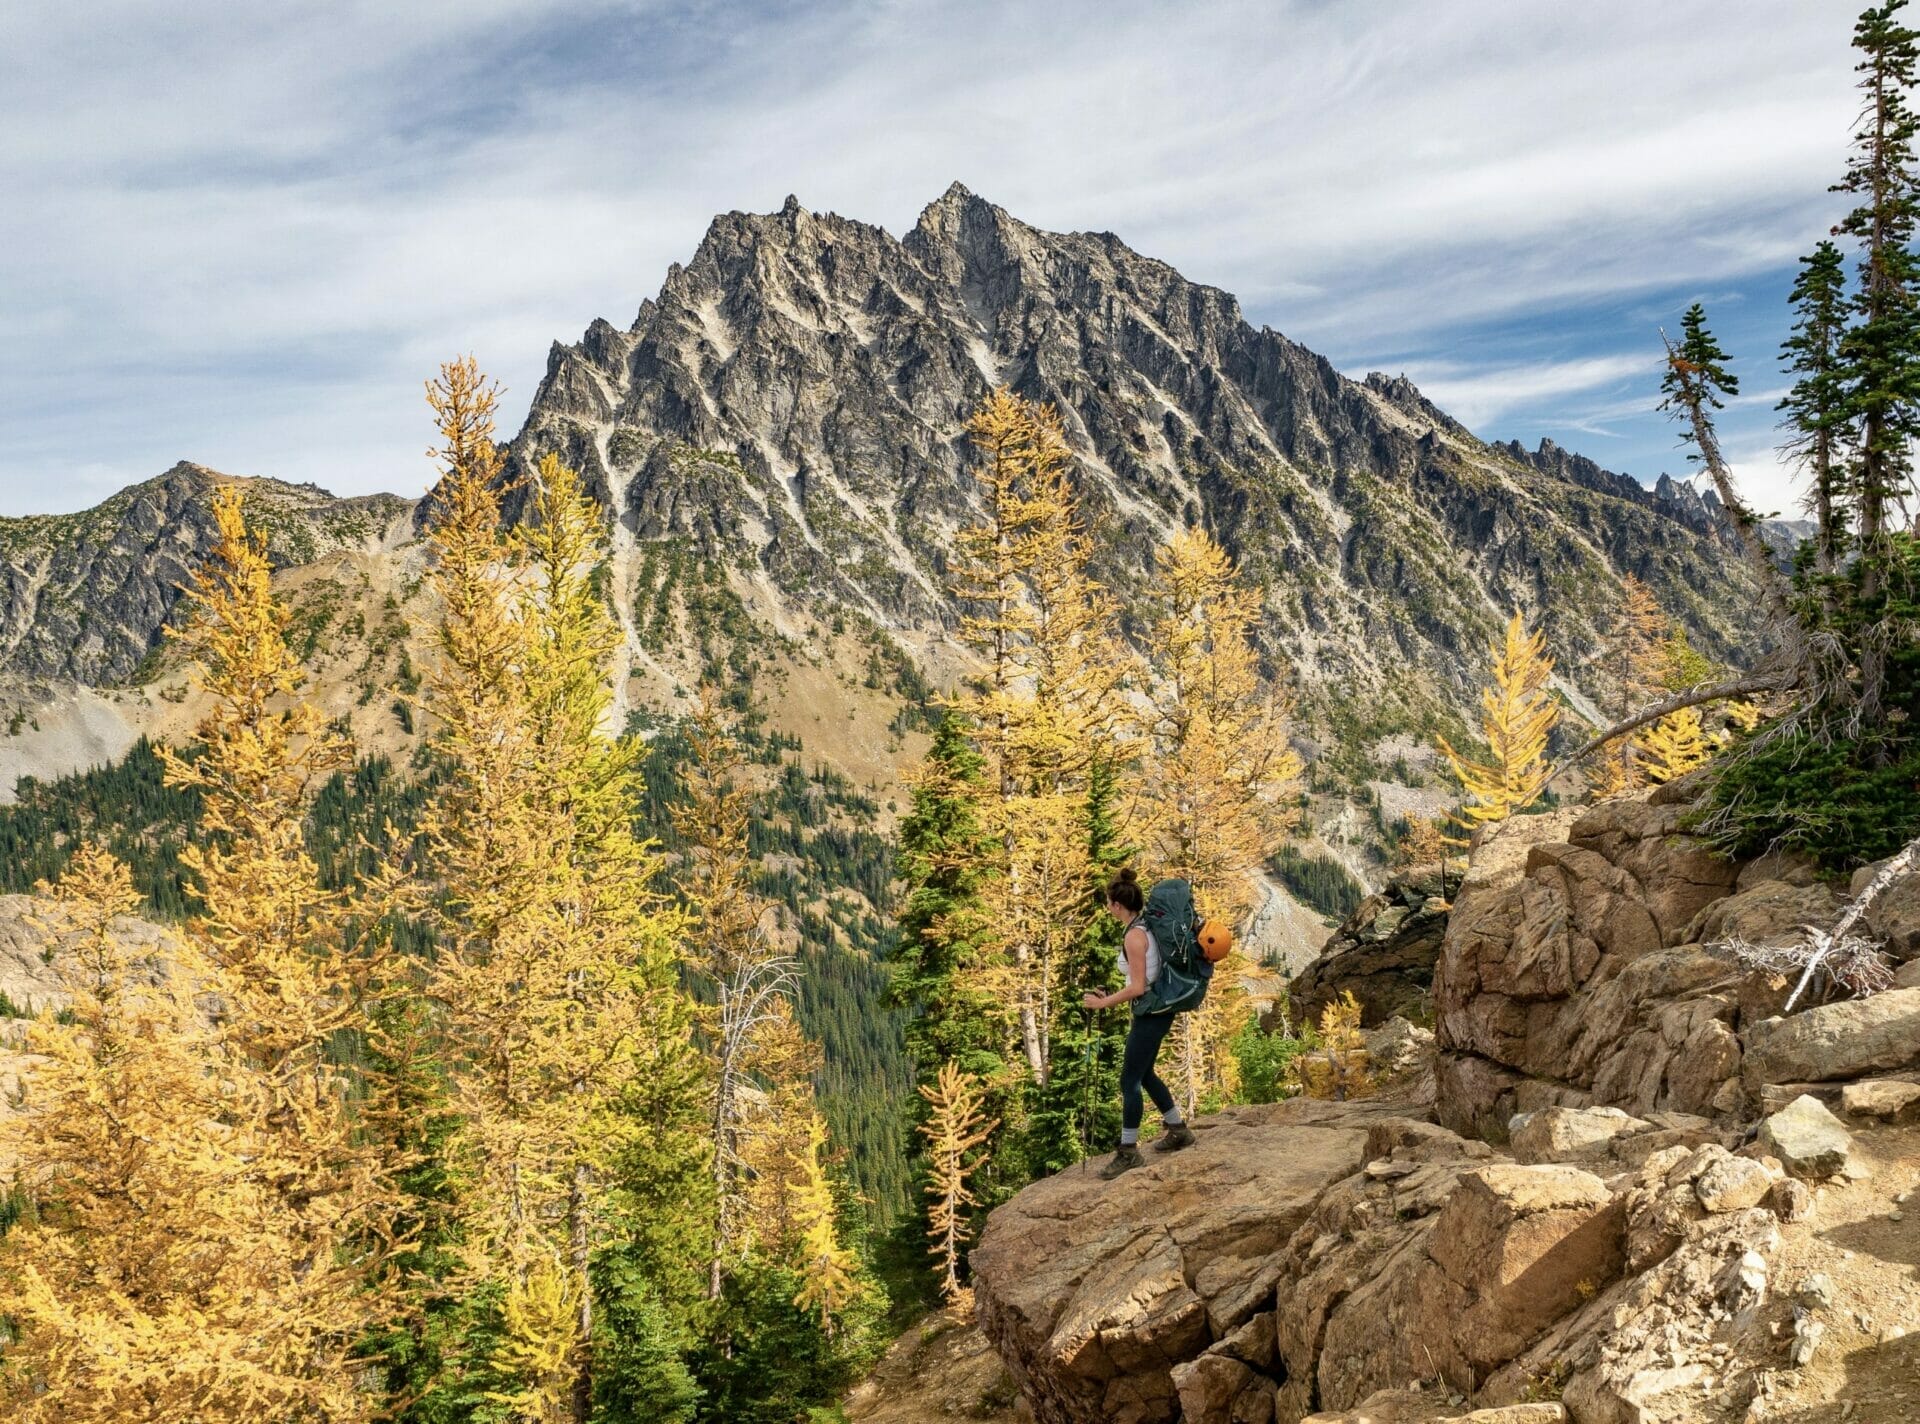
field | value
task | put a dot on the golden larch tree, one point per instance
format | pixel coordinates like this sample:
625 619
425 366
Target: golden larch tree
1423 843
225 1259
830 1274
1519 712
1220 781
1636 662
557 979
955 1128
1047 705
1675 745
1337 1065
748 1025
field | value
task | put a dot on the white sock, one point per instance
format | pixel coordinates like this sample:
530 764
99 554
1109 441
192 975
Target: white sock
1129 1136
1173 1117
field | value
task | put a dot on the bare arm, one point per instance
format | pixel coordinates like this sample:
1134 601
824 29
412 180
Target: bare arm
1136 974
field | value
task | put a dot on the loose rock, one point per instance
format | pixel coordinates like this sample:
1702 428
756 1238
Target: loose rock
1893 1099
1835 1042
1557 1134
1808 1140
1731 1183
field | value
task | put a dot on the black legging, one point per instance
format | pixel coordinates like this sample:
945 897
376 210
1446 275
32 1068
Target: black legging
1136 1068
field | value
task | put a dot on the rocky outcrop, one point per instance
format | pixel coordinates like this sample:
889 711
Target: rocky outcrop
1383 954
1095 1292
1616 1263
1592 977
1582 979
1307 1257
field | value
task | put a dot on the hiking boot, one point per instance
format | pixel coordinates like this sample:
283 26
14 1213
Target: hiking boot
1174 1138
1124 1160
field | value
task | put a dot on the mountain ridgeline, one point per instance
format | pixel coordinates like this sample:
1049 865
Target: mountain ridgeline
778 438
791 407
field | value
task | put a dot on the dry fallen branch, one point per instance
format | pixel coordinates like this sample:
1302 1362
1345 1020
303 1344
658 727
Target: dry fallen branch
1851 962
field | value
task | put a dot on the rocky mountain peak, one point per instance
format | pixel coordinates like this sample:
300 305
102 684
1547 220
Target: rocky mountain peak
788 413
84 596
793 403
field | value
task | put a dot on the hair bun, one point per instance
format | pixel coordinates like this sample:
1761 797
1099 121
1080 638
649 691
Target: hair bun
1127 877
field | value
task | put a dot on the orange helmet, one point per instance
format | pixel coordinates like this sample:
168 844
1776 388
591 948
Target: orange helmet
1216 941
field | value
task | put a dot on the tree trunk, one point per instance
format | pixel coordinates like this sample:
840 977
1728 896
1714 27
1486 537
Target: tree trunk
1773 586
577 1216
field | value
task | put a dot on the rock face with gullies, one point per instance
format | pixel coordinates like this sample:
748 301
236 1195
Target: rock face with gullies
83 597
789 412
779 438
1383 953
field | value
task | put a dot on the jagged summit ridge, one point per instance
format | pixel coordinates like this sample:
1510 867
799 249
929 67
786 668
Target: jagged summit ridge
825 368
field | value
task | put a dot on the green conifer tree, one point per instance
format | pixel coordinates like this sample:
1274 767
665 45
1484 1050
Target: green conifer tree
1077 1111
1881 351
944 853
1816 408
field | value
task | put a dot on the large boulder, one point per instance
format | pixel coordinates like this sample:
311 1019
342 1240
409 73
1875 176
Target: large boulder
1807 1139
1574 979
1557 1134
1835 1042
1094 1292
1444 1266
1894 916
1416 1406
1383 953
1639 1349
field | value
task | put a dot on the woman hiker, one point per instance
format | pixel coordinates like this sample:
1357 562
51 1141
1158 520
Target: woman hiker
1140 963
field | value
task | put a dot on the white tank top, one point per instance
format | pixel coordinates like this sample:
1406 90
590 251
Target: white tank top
1153 955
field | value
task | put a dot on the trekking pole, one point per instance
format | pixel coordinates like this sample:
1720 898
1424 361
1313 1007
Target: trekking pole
1086 1082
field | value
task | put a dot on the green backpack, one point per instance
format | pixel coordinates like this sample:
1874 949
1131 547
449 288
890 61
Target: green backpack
1184 971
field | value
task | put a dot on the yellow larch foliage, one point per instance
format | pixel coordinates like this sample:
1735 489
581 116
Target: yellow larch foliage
747 1027
213 1221
1047 705
1220 782
1519 713
1338 1065
776 1115
955 1129
1675 745
539 1321
1636 653
1424 842
265 751
557 977
830 1275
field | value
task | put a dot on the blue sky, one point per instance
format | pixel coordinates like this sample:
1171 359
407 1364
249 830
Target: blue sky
244 234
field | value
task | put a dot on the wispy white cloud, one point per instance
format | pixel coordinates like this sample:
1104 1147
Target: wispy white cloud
1476 397
243 233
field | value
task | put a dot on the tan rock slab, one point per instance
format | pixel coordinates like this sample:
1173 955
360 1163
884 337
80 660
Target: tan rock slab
1895 1099
1832 1042
1810 1142
1556 1134
1095 1292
